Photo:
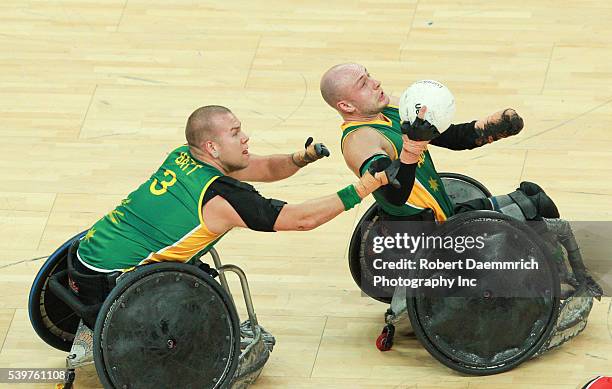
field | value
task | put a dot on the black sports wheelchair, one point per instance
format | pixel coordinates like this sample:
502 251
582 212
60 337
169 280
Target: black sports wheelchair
163 325
481 330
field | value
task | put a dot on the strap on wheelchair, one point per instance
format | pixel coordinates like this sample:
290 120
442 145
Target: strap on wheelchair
207 269
90 290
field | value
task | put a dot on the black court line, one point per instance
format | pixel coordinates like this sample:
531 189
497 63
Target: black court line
23 261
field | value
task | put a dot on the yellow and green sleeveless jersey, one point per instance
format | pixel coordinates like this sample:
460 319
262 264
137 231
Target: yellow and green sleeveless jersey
160 221
428 190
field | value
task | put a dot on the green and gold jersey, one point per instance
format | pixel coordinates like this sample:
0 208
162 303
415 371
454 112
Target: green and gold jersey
160 221
428 190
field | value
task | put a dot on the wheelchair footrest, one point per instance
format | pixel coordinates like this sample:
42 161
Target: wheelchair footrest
81 353
256 345
247 336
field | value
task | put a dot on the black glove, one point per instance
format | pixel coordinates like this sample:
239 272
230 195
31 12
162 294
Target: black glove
514 123
420 130
320 149
310 153
499 125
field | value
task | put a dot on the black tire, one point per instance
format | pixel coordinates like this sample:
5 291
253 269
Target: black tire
355 250
54 322
450 177
127 292
443 331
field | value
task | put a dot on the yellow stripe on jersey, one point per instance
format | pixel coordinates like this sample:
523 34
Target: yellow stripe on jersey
202 198
384 122
393 157
185 248
387 122
421 198
190 244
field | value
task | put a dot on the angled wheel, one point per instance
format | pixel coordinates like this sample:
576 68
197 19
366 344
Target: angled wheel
52 319
459 187
504 319
360 270
167 325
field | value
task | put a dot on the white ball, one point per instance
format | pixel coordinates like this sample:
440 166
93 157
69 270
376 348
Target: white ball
438 99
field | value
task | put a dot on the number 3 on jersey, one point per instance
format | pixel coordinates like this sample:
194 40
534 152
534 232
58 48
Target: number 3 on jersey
164 184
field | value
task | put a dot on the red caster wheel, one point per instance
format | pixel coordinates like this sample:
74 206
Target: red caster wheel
384 342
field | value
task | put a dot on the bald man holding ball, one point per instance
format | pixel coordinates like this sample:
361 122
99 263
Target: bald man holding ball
374 134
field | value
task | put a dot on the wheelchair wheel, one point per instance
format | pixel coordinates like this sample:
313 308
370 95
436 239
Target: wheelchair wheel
459 187
355 252
506 317
167 325
52 319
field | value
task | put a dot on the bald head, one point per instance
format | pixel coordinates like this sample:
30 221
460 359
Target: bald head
201 124
336 80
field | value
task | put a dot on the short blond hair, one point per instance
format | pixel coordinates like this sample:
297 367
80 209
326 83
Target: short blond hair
200 124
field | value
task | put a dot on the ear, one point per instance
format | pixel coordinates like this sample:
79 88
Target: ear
345 106
211 148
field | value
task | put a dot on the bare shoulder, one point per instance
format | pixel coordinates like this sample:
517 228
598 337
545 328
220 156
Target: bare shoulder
219 216
363 135
360 145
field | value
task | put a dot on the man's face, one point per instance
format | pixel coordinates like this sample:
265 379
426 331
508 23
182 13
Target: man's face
364 92
231 143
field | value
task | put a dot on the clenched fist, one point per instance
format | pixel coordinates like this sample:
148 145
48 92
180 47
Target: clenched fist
311 153
499 125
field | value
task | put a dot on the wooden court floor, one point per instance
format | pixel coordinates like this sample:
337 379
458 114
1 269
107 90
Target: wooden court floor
94 94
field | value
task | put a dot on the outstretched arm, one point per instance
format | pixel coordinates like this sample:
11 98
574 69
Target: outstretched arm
275 167
267 168
235 204
467 136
